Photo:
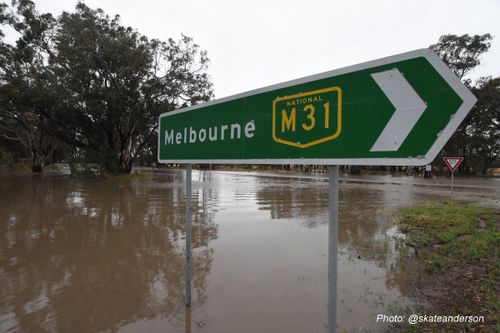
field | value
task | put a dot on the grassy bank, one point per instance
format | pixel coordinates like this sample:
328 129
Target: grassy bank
459 246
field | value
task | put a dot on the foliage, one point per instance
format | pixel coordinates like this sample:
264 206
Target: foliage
478 137
117 82
26 82
88 86
462 53
484 127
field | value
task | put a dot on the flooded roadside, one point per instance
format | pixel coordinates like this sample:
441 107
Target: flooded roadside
108 255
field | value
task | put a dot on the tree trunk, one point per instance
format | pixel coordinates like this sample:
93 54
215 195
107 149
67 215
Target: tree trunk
125 163
36 163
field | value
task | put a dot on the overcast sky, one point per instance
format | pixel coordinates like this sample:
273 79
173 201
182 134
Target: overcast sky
256 43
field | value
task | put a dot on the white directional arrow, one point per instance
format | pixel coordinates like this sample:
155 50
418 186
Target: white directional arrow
409 108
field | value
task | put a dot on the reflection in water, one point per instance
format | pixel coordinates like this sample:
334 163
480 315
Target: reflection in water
95 255
291 198
187 320
363 213
108 255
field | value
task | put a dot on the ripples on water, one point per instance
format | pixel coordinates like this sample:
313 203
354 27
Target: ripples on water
105 255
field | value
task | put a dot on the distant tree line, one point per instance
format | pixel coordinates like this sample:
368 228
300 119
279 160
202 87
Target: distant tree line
478 137
81 87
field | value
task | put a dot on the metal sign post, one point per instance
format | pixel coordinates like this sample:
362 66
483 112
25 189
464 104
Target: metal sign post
452 181
333 236
189 259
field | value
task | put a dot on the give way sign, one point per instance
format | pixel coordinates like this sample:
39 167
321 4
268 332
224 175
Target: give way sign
453 162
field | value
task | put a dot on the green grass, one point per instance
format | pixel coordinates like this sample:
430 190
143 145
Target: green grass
464 237
457 233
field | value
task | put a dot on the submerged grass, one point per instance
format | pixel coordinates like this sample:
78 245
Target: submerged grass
458 233
459 245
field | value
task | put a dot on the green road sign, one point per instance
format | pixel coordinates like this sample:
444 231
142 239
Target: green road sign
398 110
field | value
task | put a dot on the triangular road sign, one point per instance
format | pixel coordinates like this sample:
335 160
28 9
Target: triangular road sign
453 162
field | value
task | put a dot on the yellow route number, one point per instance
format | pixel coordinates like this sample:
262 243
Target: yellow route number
307 119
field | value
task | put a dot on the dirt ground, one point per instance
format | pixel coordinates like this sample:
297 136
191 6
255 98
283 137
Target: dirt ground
468 287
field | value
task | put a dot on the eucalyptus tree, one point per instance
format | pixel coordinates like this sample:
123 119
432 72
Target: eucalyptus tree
463 54
26 82
114 83
484 127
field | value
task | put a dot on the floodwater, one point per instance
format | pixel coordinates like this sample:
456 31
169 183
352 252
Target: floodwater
87 255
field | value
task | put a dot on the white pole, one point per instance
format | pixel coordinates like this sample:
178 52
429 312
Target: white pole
189 262
333 233
451 190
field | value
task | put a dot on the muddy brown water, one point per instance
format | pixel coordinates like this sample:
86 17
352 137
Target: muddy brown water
87 255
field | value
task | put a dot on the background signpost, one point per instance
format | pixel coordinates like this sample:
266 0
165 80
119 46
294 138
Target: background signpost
398 110
452 163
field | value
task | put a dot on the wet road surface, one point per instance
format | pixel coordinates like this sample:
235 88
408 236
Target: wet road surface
87 255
